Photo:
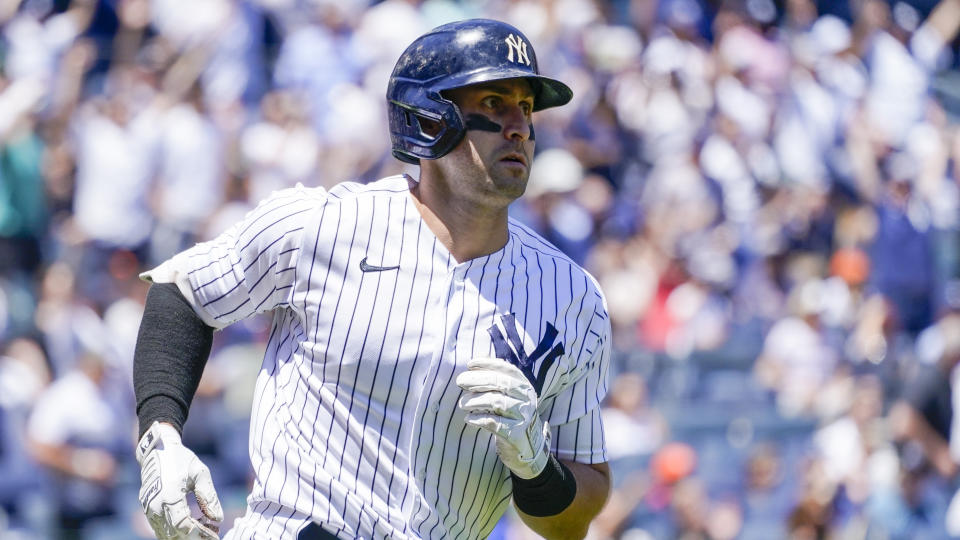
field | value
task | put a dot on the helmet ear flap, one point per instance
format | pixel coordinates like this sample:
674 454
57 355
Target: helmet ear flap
424 125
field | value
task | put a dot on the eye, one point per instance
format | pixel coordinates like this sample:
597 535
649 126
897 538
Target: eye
491 102
527 107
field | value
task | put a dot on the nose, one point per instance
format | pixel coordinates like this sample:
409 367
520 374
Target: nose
517 125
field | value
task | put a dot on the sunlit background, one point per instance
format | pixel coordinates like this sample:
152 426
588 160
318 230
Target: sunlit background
767 192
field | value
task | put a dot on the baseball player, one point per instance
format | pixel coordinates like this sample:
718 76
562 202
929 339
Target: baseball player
430 359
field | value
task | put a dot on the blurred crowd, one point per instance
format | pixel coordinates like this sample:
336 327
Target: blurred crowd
766 191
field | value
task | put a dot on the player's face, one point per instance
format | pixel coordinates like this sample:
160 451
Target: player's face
497 151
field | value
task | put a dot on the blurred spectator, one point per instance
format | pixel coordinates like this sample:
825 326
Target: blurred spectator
901 251
23 207
24 375
767 492
37 36
280 149
75 435
190 177
113 137
923 419
856 456
66 320
224 36
318 54
811 515
631 425
796 361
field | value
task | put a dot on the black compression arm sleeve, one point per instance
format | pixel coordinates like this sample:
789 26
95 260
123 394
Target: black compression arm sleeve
172 349
547 494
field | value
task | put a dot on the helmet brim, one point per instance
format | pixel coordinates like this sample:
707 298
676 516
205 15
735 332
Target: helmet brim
547 92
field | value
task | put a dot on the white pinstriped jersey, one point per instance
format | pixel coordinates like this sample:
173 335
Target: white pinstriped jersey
355 423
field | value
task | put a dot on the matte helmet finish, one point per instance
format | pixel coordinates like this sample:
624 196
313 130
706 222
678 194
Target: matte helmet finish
452 56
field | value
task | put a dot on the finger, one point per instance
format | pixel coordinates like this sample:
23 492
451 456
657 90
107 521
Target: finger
482 381
199 532
178 515
161 528
490 422
497 365
485 381
492 403
207 498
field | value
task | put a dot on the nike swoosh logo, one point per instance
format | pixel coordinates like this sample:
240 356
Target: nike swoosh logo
364 267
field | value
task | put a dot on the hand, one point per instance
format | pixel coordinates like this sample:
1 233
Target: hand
501 400
94 465
168 471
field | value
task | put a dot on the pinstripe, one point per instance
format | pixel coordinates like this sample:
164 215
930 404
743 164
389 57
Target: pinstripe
266 248
336 395
488 521
510 308
202 251
386 237
429 395
363 346
316 324
301 358
231 271
403 406
412 457
463 426
253 222
393 374
208 265
269 475
490 476
475 445
576 332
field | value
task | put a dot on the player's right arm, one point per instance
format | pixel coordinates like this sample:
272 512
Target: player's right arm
246 270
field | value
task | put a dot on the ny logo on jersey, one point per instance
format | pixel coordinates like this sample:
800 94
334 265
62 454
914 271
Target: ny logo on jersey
510 348
514 43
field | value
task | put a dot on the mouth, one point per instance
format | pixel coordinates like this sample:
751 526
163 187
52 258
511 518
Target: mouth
515 158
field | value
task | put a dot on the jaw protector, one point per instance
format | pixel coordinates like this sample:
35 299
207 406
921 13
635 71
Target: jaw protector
452 56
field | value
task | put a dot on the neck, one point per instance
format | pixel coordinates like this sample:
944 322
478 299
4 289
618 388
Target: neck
467 229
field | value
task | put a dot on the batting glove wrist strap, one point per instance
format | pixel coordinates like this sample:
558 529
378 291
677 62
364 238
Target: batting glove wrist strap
550 493
168 471
499 398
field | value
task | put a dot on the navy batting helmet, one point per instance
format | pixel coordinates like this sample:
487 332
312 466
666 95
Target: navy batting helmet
451 56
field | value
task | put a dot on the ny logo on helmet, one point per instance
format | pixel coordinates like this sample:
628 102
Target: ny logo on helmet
515 43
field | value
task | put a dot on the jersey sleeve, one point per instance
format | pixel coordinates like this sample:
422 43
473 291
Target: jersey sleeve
251 267
574 412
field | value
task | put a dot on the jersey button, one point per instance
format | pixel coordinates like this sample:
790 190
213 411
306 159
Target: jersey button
435 407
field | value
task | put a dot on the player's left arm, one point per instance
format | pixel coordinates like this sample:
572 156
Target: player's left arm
592 490
560 476
555 496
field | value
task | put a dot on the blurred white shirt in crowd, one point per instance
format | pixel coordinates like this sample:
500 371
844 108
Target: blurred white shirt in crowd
898 87
804 361
191 170
35 45
113 177
72 408
278 156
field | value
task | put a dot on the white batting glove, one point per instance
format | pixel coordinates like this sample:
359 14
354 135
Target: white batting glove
502 401
168 471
